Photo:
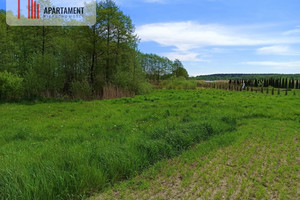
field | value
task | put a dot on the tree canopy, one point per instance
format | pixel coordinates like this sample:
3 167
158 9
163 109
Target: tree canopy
80 61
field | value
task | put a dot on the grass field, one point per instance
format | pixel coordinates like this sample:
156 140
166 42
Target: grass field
258 161
237 145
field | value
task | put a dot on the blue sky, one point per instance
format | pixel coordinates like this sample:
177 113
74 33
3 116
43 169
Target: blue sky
220 36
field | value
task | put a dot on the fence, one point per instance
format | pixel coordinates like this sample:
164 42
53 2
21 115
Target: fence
224 85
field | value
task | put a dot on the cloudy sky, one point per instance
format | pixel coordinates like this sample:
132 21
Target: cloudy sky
220 36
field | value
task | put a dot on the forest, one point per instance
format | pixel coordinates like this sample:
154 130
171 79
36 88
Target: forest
97 62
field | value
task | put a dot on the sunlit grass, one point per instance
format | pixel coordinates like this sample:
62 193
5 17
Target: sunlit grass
258 160
71 149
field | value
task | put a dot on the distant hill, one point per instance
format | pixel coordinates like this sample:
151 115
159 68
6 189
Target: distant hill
243 76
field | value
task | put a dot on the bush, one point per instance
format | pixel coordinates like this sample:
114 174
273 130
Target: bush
144 88
178 83
81 90
11 87
126 81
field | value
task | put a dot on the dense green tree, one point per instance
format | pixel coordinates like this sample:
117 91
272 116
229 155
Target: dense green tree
181 72
8 48
10 86
160 68
64 61
177 64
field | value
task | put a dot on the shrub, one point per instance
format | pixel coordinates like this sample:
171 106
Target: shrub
81 90
144 88
11 87
178 83
125 79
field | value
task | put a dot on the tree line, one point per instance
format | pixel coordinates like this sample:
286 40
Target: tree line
78 62
162 68
244 76
281 82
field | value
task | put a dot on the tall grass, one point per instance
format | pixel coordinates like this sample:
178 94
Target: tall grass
69 150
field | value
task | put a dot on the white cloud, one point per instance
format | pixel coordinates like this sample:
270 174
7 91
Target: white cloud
184 56
276 65
292 32
190 35
277 50
189 39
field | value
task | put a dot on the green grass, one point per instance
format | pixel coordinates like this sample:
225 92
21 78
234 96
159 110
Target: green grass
257 161
70 150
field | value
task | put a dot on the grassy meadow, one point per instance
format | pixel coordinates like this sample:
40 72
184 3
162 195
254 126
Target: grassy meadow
236 145
260 160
